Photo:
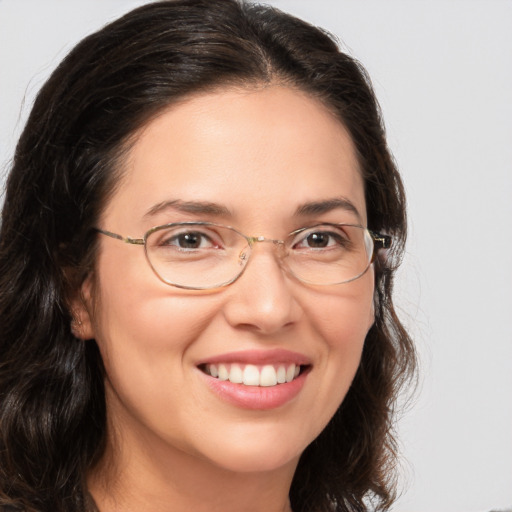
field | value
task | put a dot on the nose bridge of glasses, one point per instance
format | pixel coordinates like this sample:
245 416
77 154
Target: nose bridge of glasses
252 241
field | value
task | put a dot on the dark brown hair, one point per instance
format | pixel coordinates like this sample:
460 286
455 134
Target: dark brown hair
66 165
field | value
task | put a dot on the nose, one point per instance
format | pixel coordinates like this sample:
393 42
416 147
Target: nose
262 299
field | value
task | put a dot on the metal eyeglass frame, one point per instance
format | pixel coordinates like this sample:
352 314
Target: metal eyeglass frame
380 241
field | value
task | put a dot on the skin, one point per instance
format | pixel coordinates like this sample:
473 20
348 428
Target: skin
173 444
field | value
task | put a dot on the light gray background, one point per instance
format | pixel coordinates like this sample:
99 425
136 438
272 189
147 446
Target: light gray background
443 74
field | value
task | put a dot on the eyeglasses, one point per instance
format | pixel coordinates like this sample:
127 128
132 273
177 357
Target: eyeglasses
205 255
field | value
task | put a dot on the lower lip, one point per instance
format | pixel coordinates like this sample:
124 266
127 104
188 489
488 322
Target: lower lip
257 397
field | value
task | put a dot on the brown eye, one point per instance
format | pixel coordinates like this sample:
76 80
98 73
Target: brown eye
189 240
318 240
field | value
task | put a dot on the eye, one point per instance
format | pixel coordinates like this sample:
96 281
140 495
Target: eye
193 240
188 240
321 237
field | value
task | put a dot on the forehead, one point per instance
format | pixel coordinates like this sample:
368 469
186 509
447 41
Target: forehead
257 152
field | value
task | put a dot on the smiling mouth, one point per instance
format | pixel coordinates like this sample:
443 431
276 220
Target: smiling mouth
254 375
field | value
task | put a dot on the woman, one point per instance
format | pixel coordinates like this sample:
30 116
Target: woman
246 356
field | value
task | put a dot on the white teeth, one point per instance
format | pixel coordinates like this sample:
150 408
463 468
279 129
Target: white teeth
268 376
252 375
223 372
281 375
290 373
236 375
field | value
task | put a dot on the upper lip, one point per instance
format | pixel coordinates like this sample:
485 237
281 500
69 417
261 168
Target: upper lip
258 357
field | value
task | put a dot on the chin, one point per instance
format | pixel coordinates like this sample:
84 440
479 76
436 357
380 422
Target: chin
257 453
261 462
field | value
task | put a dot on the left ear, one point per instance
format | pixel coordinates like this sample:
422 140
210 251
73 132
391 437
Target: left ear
371 315
82 308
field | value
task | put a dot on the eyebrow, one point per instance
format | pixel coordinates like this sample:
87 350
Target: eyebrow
194 207
208 208
326 206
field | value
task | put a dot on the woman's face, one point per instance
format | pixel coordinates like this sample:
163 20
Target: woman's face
265 161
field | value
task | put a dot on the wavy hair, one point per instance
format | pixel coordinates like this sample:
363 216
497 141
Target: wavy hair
66 166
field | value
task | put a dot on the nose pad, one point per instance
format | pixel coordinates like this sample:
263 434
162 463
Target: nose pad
243 257
245 253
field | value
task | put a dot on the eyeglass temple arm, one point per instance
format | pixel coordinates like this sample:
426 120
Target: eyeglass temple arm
126 240
381 241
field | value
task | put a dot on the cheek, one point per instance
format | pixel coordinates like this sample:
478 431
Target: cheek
141 314
145 342
344 318
149 325
144 331
342 321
